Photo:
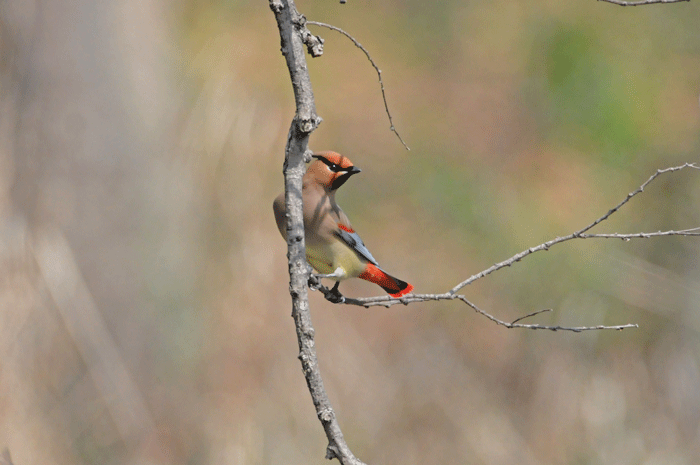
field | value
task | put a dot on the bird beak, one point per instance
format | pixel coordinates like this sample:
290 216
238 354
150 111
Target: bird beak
340 180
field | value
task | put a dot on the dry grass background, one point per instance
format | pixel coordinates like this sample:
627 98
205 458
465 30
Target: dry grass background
144 314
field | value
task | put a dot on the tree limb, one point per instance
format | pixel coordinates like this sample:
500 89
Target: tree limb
294 36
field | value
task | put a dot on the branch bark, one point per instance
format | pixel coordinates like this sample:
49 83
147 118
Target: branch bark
294 35
641 2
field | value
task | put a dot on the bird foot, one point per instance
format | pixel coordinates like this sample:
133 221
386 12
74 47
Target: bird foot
334 295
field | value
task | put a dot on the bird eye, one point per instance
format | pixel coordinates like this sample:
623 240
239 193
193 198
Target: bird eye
336 168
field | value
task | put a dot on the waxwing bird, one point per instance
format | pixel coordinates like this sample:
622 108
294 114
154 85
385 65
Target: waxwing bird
333 248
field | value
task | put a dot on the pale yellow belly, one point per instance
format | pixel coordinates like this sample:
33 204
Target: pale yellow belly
326 258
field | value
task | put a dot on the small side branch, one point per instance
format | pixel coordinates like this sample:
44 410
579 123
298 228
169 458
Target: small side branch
580 234
529 315
376 68
641 2
642 235
314 44
388 301
514 324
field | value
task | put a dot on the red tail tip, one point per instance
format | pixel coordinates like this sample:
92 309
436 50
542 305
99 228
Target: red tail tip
377 276
403 292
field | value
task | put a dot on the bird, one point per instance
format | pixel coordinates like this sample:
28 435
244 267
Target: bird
333 247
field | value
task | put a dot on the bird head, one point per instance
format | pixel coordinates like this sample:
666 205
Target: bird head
331 169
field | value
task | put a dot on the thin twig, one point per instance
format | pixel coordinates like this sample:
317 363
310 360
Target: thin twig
575 329
530 315
639 190
642 235
379 73
576 235
641 2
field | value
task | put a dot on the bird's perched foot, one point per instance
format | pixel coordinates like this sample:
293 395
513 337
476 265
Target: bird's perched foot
334 295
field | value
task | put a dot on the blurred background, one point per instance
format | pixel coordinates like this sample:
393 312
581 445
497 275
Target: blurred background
144 307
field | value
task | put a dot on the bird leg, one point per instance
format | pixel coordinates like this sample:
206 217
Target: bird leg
333 294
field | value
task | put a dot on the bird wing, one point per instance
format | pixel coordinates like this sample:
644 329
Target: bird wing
353 240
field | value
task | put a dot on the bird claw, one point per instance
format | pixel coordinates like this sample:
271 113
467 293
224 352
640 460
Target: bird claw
334 295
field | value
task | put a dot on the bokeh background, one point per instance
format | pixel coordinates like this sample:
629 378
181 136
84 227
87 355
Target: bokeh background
144 312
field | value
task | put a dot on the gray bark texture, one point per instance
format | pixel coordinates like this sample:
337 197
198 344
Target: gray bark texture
294 35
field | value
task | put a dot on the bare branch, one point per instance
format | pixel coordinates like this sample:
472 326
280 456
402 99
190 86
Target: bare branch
641 2
575 329
576 235
627 237
379 73
639 190
294 36
388 301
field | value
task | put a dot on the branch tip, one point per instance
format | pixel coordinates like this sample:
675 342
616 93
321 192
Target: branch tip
640 2
376 68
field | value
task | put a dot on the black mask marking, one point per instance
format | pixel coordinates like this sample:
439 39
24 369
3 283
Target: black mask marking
340 180
335 167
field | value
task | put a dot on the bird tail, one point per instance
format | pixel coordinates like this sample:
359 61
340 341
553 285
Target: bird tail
393 286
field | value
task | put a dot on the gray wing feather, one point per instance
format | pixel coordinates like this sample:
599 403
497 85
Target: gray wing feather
353 240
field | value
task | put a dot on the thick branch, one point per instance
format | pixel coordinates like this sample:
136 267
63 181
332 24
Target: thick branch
294 36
